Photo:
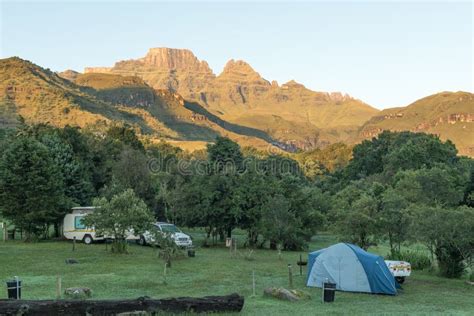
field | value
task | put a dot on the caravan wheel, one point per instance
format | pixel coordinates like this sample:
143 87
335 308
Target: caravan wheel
400 280
87 239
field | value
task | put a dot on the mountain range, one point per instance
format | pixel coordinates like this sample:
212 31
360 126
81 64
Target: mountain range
170 94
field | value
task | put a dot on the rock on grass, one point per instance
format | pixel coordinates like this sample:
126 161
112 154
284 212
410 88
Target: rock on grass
78 292
285 294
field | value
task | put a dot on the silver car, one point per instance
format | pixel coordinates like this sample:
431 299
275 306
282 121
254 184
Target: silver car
166 229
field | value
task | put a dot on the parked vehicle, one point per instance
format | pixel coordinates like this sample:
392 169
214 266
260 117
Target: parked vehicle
73 226
399 269
166 229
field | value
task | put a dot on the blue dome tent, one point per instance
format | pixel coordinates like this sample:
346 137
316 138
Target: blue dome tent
351 268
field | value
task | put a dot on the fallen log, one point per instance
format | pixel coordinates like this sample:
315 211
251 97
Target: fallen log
206 304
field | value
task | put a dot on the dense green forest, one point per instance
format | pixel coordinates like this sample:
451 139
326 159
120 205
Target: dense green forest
398 188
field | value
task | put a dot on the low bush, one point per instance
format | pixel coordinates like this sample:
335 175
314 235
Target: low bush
450 261
417 259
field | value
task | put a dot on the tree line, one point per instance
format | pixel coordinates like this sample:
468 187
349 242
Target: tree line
399 188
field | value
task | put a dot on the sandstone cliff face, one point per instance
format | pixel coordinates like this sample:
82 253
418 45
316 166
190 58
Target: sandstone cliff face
180 71
158 60
238 84
97 70
175 59
177 70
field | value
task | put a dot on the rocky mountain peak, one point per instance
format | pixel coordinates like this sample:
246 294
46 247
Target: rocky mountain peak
239 70
293 84
175 59
69 74
238 66
338 96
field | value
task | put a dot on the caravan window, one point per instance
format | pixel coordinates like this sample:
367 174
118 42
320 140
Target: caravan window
79 222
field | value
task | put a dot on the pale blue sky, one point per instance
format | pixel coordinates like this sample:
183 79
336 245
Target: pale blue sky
384 53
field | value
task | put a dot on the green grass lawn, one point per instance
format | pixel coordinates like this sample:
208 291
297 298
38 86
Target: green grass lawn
213 272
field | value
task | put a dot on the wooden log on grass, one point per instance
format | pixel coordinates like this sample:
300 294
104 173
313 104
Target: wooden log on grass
207 304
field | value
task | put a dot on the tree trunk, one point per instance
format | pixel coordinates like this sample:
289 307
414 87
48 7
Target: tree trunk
46 233
207 304
119 245
252 238
56 229
273 245
392 248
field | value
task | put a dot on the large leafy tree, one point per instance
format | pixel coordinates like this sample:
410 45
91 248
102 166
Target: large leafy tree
356 216
358 224
31 186
305 203
390 152
192 204
225 155
318 161
119 216
251 195
223 205
279 224
225 161
131 171
208 201
467 168
440 185
395 220
411 151
235 194
76 179
103 154
125 135
447 232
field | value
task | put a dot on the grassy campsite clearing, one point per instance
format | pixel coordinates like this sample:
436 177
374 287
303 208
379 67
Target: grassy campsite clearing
213 272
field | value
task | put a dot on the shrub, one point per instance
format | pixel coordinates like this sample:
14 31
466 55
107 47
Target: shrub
450 261
448 233
168 249
417 259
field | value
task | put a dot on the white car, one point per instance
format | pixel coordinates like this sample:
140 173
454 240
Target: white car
399 269
180 238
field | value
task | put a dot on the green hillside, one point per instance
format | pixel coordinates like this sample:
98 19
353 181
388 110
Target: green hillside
289 116
189 121
447 114
40 95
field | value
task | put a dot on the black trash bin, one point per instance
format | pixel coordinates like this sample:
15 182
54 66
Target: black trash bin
14 289
329 291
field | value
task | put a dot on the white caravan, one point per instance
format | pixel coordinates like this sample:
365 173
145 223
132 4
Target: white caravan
73 225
